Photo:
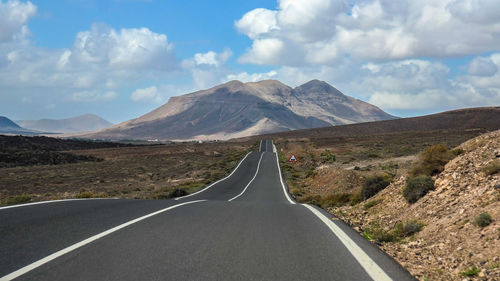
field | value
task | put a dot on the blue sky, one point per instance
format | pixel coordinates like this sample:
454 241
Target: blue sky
123 58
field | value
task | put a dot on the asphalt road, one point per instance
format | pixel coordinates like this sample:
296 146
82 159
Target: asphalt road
244 227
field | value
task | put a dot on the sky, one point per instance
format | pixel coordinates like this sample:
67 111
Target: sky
120 59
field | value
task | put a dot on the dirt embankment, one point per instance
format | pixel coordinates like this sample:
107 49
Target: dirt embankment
451 245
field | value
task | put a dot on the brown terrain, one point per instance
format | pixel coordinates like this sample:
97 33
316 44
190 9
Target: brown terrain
335 164
153 171
436 238
450 243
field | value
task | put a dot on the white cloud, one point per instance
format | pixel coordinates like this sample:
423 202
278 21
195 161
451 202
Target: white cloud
14 15
212 58
100 61
254 77
150 94
481 66
129 48
208 69
257 22
93 96
302 32
264 51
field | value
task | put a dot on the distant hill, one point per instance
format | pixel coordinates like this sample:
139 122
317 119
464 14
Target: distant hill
486 118
237 109
83 123
8 126
7 123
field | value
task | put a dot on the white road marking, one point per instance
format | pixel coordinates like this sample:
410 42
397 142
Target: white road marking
212 184
53 201
260 146
281 177
73 247
254 176
375 272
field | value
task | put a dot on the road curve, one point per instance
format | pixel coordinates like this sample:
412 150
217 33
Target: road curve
241 228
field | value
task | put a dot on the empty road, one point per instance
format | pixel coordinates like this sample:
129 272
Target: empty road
244 227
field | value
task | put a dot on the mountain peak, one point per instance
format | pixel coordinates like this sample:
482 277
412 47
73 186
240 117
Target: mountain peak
7 123
236 109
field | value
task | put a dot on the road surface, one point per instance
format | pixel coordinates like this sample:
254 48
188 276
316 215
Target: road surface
244 227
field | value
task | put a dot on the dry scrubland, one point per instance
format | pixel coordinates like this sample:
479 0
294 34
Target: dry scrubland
450 231
155 172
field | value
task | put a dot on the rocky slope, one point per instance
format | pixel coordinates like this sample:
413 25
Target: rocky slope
449 243
237 109
83 123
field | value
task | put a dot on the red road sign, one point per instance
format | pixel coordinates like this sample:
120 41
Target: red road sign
293 158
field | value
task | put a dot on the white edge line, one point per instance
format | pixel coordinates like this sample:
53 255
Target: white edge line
214 183
73 247
53 201
254 176
281 177
372 268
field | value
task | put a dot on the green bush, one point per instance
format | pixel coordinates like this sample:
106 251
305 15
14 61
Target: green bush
373 185
370 204
457 151
431 161
328 157
310 199
17 199
492 168
417 187
408 228
336 199
177 192
482 220
377 233
471 272
85 194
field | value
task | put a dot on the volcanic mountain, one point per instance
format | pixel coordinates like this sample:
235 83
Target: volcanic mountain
83 123
8 126
237 109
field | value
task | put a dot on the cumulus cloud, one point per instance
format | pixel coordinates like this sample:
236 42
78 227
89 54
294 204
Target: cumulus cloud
322 31
129 48
481 66
101 60
256 22
150 94
254 77
207 69
14 15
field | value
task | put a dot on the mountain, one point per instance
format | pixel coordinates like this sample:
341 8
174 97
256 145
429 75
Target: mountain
83 123
237 109
8 126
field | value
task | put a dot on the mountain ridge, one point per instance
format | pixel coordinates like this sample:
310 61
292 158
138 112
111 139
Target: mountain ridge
81 123
237 109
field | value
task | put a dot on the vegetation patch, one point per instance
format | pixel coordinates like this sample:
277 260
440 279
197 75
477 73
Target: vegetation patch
373 185
431 161
417 187
483 220
377 233
471 271
402 230
492 168
17 199
88 194
408 228
371 203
